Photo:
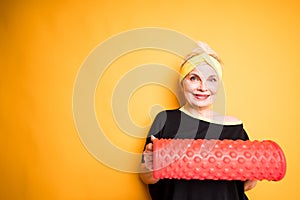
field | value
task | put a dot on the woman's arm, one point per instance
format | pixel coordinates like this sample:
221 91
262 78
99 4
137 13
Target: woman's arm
147 177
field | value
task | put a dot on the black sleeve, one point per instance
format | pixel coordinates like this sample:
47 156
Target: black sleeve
244 135
158 125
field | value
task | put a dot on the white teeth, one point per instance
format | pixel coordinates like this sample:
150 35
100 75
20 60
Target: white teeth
201 96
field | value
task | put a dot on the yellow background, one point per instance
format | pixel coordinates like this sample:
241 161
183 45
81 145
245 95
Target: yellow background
44 43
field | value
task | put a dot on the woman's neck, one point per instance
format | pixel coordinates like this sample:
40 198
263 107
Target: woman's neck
205 112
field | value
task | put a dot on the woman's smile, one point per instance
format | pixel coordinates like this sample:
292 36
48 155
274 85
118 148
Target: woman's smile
201 96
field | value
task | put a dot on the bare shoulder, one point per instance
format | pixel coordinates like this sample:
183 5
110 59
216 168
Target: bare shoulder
232 119
227 119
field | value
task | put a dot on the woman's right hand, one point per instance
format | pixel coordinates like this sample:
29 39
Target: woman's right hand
148 155
147 177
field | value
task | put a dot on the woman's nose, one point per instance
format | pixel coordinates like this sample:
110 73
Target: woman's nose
202 86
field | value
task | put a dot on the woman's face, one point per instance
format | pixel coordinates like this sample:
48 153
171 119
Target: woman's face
200 87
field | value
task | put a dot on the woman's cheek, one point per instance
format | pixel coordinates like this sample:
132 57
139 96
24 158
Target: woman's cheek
213 87
189 86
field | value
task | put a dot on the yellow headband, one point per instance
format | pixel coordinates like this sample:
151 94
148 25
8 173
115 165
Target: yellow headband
193 62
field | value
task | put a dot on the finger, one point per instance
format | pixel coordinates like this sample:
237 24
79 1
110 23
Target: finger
149 147
153 138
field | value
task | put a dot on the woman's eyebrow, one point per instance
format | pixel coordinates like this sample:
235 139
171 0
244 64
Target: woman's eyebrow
193 73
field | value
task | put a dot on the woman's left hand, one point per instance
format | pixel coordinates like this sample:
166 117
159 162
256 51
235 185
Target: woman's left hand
248 185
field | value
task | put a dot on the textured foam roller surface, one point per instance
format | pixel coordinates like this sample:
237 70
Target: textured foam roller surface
218 159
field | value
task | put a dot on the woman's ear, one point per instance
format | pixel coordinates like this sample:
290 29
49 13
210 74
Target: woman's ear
180 85
179 93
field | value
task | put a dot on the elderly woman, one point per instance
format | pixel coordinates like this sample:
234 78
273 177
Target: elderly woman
200 77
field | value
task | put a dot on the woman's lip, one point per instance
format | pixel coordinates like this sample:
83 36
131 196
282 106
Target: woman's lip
201 96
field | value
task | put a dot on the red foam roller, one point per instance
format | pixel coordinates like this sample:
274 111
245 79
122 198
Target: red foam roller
218 159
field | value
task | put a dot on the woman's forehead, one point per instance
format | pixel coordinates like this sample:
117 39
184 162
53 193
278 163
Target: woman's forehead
204 69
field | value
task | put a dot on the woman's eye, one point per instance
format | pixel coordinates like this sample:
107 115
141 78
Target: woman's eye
193 78
213 80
